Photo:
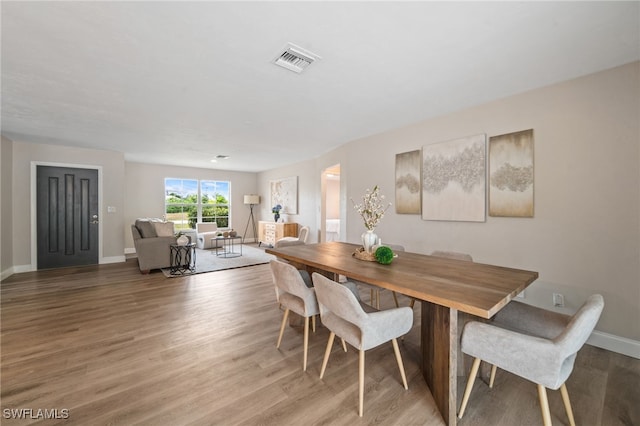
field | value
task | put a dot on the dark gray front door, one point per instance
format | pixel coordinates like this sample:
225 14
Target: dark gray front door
67 216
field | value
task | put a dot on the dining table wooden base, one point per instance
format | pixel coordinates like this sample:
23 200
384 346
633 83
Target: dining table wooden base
439 344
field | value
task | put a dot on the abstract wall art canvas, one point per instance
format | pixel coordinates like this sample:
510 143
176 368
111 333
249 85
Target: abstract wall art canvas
511 174
285 192
454 180
408 182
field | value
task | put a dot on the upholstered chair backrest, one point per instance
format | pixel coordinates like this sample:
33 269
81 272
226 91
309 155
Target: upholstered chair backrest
338 299
289 280
581 325
304 234
202 227
452 255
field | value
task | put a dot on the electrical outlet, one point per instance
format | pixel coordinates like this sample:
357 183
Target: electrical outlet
558 300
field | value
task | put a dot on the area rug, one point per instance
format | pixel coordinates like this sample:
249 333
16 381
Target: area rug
207 261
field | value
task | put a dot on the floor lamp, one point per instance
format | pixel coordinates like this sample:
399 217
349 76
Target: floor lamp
251 200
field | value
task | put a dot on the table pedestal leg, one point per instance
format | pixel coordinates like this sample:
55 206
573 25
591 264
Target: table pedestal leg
439 343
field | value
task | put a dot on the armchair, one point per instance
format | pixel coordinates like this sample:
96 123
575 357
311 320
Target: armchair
302 237
204 233
151 239
535 344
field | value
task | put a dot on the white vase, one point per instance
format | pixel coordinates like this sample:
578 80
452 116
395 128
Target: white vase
369 239
182 240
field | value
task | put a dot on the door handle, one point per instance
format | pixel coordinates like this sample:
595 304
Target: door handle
94 219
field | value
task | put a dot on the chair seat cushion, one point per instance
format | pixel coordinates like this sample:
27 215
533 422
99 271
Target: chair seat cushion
296 304
534 358
381 327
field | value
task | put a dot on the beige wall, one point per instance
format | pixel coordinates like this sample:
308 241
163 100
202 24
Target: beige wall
112 182
308 195
585 235
144 193
6 213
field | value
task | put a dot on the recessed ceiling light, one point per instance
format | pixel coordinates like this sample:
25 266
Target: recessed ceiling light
214 161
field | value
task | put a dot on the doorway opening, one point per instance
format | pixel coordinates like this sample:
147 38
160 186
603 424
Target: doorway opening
331 204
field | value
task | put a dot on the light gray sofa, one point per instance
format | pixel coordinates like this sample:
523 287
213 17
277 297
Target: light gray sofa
151 238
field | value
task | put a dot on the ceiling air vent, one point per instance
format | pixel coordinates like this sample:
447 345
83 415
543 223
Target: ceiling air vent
295 58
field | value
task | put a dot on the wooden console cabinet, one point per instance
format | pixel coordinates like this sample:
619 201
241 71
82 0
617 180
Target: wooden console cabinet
270 232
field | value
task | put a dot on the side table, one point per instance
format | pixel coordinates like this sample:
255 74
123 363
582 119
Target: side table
182 258
228 246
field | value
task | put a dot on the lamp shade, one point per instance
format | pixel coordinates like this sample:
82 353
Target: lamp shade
252 199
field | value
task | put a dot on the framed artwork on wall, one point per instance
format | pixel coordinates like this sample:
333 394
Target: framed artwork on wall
454 181
285 192
408 182
511 174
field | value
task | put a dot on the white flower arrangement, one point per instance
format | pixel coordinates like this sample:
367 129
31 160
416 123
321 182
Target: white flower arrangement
372 208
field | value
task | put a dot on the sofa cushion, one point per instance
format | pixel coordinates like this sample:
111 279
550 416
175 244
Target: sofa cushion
163 229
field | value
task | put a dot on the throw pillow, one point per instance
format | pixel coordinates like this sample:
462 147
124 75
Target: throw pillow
164 229
146 229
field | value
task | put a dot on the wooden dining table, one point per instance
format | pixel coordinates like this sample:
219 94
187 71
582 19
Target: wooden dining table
444 286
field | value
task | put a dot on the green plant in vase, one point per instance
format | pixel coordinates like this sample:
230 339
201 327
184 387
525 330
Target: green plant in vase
371 210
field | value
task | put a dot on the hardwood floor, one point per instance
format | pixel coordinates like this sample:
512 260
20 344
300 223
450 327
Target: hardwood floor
113 346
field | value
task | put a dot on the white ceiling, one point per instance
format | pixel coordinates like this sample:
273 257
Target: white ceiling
181 82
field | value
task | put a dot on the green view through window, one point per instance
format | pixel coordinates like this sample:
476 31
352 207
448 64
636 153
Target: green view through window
188 201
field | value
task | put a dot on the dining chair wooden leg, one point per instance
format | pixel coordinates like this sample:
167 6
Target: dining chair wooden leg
375 298
544 405
396 349
327 352
567 404
313 323
493 376
395 299
344 345
361 383
413 302
470 382
284 322
306 343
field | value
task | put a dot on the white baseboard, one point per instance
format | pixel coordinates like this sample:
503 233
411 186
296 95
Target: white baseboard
129 250
23 268
112 259
614 343
6 273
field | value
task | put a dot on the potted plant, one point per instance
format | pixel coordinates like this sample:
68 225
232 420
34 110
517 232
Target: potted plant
276 212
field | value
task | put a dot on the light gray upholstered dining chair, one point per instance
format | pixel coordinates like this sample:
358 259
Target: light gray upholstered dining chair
294 295
345 316
533 343
374 290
